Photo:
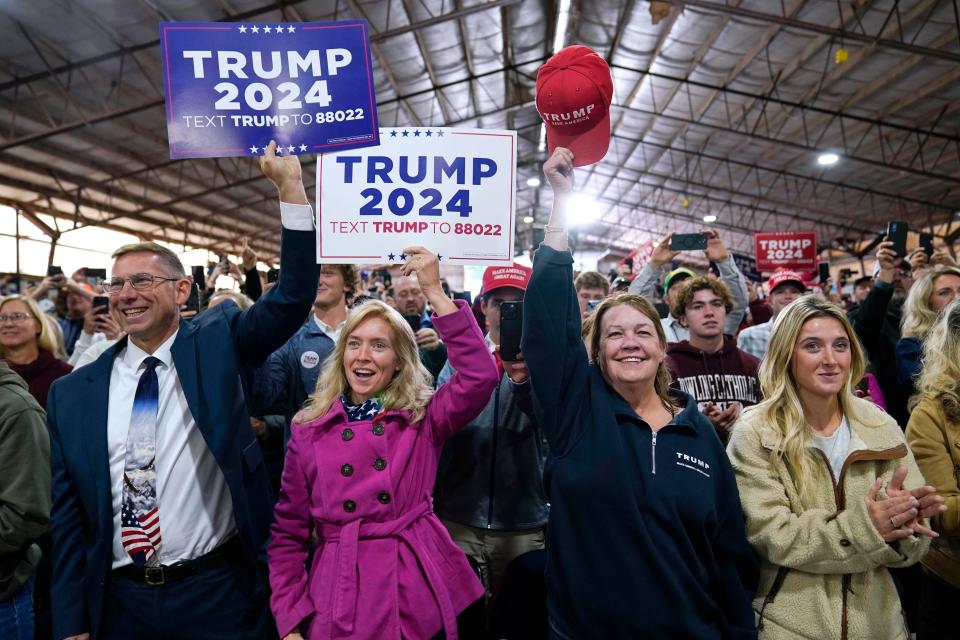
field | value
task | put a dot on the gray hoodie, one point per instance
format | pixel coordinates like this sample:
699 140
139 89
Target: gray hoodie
24 481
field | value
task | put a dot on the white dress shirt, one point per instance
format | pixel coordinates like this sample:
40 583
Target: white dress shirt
331 332
196 510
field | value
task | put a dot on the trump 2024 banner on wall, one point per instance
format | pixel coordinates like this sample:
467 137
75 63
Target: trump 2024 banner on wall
786 250
231 88
449 190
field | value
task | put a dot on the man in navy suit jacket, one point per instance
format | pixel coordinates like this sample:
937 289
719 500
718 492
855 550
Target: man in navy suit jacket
212 489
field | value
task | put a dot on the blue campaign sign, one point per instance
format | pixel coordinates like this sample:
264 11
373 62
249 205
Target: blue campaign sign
747 266
231 88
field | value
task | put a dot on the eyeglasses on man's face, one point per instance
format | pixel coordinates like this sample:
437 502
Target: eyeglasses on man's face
14 317
139 281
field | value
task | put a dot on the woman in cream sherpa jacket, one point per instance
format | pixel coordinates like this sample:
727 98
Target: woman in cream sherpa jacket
807 462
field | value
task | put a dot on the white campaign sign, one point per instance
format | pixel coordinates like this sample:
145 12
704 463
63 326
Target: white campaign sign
449 190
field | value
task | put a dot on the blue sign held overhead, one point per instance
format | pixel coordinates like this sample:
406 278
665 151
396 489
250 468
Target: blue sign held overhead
231 88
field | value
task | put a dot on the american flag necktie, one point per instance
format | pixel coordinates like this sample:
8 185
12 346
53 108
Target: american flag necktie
139 516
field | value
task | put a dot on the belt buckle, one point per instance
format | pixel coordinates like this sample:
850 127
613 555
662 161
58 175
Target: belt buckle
153 576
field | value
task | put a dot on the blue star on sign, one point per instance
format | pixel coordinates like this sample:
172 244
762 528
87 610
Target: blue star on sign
391 257
393 134
439 134
403 256
406 133
416 134
429 133
439 257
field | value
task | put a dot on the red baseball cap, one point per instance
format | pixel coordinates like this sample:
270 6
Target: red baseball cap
574 91
781 277
515 276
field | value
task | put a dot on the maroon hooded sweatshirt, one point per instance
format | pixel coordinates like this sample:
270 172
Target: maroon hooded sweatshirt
727 376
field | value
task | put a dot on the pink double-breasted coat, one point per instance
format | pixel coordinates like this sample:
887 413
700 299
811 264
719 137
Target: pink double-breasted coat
384 566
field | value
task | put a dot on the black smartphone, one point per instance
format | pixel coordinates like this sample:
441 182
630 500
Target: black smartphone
224 263
199 276
824 271
413 320
193 302
54 270
104 303
688 242
593 304
897 234
511 327
273 275
926 243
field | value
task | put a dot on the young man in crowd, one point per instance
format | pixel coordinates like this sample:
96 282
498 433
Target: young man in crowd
591 286
489 490
716 251
290 374
162 537
785 287
708 365
412 304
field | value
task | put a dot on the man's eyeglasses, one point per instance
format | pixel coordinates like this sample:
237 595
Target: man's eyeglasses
14 317
139 281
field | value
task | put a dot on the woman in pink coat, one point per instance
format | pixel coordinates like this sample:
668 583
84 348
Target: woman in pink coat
359 474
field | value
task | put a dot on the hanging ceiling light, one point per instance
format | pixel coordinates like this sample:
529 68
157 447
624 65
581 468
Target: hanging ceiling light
709 218
827 159
528 219
533 182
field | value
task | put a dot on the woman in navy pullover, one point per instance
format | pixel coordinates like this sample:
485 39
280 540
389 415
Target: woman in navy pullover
646 532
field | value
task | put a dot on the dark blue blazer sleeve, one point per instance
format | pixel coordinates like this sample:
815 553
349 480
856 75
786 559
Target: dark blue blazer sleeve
268 324
553 349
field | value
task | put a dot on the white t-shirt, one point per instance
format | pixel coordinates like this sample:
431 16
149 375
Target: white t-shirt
835 446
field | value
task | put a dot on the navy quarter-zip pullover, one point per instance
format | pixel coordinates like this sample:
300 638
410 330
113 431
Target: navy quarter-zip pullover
646 534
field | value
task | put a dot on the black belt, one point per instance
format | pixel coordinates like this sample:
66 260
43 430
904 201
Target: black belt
229 553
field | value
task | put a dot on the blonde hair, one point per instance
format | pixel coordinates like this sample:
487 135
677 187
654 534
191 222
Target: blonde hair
661 383
940 374
781 407
411 387
56 334
46 339
918 316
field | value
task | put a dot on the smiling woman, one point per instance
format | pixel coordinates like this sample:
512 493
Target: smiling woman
28 345
360 470
643 500
811 460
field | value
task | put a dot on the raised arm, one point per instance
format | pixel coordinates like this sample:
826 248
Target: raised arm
268 324
551 343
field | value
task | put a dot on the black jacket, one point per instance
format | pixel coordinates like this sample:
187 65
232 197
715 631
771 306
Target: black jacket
491 471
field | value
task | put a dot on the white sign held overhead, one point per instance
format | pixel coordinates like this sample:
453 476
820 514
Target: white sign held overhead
449 190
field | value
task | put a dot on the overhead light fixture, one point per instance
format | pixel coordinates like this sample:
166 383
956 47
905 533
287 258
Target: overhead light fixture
709 218
582 209
563 18
528 219
542 146
533 182
827 159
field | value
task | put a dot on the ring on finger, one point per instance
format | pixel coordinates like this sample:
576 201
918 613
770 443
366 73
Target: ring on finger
893 522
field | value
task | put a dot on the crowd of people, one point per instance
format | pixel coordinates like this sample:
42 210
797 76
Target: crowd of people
346 453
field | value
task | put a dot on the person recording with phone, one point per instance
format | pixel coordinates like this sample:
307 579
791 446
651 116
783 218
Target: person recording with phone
666 251
99 325
489 492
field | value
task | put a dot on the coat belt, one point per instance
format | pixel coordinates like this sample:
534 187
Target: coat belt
347 588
